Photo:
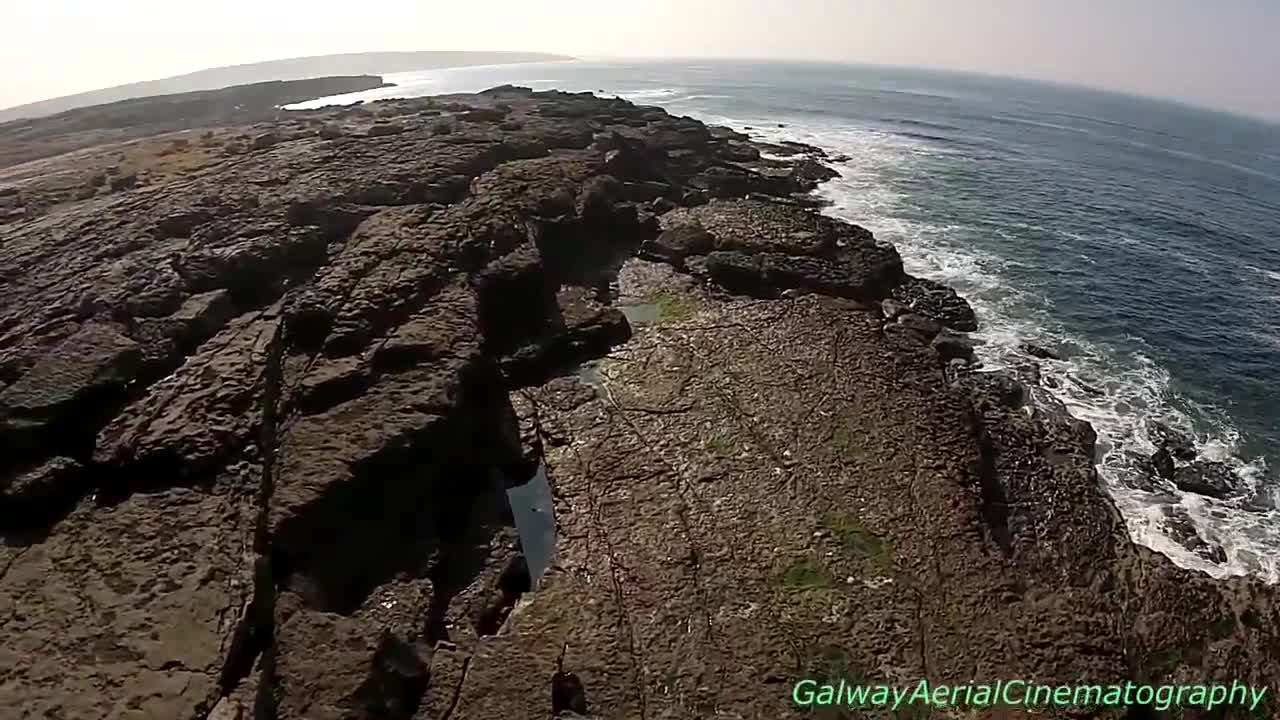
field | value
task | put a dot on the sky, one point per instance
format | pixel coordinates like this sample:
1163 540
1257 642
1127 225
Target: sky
1217 53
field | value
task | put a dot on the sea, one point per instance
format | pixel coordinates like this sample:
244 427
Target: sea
1137 238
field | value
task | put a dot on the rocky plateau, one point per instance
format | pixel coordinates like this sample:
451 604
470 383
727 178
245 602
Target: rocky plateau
264 386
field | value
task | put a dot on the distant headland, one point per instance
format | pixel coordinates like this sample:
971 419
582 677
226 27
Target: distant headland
373 63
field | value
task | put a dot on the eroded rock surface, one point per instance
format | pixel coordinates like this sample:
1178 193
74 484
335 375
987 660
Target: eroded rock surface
260 413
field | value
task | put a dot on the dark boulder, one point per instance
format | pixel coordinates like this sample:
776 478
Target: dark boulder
42 491
1039 351
1204 477
1161 463
1179 443
951 346
935 300
923 327
567 694
808 174
677 243
97 359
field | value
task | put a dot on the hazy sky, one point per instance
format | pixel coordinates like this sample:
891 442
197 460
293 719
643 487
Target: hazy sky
1222 53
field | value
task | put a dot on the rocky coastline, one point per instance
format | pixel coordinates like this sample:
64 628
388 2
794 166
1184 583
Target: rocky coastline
263 389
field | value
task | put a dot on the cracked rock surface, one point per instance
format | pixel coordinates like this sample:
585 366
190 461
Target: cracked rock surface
259 413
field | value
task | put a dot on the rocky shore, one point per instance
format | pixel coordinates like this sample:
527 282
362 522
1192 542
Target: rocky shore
264 388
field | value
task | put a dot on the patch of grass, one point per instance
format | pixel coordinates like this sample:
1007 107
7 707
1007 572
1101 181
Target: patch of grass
806 575
721 445
858 540
674 307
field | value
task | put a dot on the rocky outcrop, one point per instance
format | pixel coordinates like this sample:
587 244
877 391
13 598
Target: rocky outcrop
937 301
260 417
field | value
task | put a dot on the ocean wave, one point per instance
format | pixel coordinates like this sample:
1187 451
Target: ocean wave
907 122
642 94
1113 123
1012 120
1269 274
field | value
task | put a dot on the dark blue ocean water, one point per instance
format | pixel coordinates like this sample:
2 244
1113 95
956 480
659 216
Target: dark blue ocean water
1140 238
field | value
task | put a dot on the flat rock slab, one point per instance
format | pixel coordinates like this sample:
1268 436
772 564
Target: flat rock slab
131 611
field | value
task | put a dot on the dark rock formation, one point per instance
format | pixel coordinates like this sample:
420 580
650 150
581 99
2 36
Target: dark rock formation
1205 477
1039 351
259 417
1182 529
678 242
937 301
1179 443
1162 464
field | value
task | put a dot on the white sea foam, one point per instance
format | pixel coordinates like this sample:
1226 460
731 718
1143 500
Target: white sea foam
1269 274
1119 393
652 95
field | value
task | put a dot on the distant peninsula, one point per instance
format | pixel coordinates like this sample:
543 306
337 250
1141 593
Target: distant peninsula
374 63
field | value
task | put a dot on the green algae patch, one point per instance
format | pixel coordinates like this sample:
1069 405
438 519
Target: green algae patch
806 575
857 539
720 445
674 307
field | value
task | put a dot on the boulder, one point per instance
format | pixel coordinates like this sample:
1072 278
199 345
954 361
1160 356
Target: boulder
923 327
937 301
1179 443
676 243
1204 477
808 174
74 382
1162 464
36 494
1039 351
951 346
